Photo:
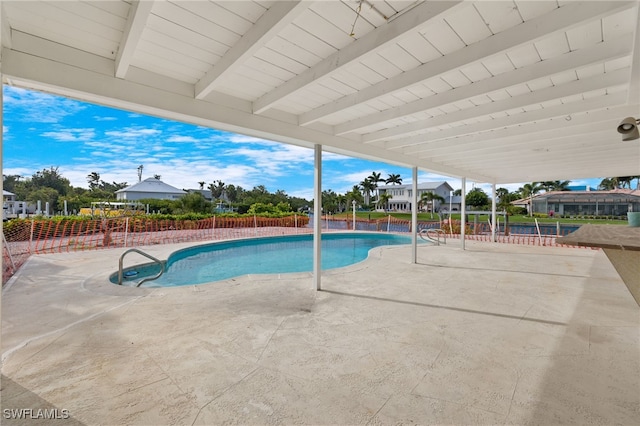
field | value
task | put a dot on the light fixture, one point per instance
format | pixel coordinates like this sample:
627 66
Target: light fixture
629 129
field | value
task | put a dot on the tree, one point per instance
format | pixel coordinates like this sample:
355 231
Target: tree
329 201
394 179
94 180
477 198
555 185
528 190
9 182
383 199
354 195
429 197
201 183
217 188
625 181
51 178
505 197
193 202
157 177
608 184
367 187
375 178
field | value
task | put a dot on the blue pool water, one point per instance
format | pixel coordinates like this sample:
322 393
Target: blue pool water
220 261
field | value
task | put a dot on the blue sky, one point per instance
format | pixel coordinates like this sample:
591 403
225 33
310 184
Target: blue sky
43 131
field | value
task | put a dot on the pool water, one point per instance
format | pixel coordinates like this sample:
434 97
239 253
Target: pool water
273 255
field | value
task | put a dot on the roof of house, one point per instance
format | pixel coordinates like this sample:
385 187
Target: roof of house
581 195
152 185
7 193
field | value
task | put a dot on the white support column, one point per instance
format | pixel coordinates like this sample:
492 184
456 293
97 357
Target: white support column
414 217
493 212
463 210
317 217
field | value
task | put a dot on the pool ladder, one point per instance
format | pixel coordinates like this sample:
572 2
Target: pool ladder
121 272
433 235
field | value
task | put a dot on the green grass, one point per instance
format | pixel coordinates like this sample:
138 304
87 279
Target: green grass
482 218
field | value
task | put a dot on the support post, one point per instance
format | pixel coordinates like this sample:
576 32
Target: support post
414 215
463 212
493 212
317 215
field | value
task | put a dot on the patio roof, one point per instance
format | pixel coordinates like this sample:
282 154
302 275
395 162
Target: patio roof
498 92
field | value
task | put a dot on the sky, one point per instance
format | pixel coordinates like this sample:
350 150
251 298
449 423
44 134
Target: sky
42 131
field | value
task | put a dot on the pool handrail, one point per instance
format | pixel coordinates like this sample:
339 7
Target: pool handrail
433 235
121 272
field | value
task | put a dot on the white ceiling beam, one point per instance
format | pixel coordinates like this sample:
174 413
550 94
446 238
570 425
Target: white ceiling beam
586 135
634 82
5 30
542 120
603 81
561 19
586 123
376 39
278 16
609 50
139 12
78 82
546 160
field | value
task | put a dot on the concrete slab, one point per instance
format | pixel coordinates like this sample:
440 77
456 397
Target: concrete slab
495 334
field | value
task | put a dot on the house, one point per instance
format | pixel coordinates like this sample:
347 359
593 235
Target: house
402 195
149 188
206 193
11 207
615 202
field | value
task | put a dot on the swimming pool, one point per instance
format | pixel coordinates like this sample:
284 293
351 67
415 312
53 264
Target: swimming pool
273 255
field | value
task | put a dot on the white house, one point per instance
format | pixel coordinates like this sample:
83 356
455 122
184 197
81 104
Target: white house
149 188
11 207
401 195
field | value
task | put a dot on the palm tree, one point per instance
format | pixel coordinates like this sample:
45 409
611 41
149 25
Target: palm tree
394 179
217 189
375 178
555 185
201 185
528 190
607 184
429 197
367 187
354 195
94 180
383 199
342 202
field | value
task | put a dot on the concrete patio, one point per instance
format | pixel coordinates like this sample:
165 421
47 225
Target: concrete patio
495 334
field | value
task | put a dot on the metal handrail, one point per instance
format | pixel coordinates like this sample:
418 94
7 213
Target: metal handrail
121 272
433 235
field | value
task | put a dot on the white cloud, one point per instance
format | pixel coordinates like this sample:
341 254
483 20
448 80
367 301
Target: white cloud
132 133
71 135
33 106
181 138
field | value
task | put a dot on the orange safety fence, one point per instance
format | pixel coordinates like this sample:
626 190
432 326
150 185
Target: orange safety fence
25 237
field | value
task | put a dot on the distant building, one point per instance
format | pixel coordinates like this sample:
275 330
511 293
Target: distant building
402 195
11 207
149 188
616 202
204 192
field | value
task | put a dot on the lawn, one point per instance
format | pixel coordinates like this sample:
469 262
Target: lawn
424 217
